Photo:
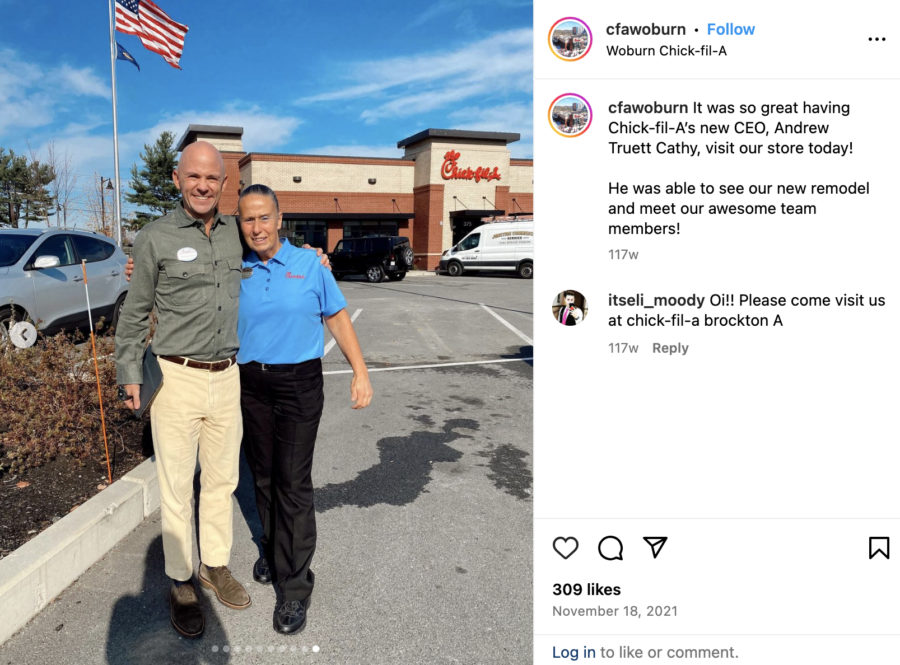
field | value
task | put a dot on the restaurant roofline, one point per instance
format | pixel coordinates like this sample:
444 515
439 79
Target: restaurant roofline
190 134
504 137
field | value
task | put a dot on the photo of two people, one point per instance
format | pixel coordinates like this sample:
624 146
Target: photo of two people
257 415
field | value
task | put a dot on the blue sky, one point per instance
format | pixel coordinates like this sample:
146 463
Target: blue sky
347 78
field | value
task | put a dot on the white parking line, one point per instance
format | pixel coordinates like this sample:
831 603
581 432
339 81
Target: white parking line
333 341
473 362
507 324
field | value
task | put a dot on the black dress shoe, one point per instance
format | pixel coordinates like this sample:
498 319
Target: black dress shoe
261 572
290 618
185 613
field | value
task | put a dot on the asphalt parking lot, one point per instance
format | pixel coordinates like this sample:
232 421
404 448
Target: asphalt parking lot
423 500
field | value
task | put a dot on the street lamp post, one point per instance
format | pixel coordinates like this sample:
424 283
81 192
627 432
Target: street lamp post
110 187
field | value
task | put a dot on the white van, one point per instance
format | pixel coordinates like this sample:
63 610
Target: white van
494 246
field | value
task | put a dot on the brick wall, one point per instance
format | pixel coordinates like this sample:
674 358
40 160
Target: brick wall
228 202
501 198
347 202
524 202
335 233
428 234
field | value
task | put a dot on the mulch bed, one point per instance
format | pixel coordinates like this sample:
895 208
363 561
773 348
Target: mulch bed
56 488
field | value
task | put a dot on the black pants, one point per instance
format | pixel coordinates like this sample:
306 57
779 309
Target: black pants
281 411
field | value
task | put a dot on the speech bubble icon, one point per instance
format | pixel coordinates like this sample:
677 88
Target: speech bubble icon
610 548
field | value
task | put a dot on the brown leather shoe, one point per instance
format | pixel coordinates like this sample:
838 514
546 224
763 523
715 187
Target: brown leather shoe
228 590
186 615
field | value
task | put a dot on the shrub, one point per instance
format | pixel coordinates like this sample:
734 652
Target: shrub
49 404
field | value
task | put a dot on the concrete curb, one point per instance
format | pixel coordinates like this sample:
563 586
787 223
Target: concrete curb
36 573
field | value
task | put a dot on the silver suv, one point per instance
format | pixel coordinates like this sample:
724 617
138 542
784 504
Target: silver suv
41 279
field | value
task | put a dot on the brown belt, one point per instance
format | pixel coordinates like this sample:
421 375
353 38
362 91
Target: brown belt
219 366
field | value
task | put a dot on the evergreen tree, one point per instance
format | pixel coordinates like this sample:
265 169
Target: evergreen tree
23 189
13 170
152 186
38 202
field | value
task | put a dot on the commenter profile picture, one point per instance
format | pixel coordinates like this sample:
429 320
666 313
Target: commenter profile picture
570 308
570 115
570 39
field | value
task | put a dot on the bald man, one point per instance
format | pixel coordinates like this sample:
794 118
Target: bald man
188 265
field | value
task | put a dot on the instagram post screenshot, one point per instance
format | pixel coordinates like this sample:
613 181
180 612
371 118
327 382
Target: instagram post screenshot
266 332
268 310
714 437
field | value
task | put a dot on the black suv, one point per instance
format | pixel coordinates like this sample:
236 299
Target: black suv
376 258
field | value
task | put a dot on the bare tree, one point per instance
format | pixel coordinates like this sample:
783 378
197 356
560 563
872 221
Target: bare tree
99 204
63 187
38 199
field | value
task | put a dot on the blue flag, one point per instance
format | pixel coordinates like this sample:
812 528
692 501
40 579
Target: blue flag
125 55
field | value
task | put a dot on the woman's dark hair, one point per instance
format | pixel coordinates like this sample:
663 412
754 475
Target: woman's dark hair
259 190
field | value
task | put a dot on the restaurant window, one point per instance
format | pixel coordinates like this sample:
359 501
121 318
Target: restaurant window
300 232
370 229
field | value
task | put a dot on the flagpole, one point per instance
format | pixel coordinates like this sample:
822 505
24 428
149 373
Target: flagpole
112 55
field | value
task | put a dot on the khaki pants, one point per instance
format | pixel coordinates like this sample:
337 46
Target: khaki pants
195 409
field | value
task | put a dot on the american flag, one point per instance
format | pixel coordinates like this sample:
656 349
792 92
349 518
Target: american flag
157 32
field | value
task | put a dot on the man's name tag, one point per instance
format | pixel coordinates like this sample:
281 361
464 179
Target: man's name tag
246 273
187 254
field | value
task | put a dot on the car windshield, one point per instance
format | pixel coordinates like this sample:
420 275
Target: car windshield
13 246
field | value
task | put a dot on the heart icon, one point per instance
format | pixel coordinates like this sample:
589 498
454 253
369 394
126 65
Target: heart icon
565 547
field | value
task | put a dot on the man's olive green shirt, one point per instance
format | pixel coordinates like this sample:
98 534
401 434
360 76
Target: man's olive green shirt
196 299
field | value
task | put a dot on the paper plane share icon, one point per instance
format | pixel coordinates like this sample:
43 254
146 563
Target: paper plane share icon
656 543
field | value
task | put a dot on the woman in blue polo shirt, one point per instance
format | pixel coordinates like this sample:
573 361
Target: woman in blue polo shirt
285 295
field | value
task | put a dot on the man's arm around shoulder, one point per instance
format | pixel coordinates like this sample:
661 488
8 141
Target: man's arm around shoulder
134 322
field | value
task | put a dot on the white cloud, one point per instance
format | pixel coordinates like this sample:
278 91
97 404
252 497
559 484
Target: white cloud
31 95
515 117
91 151
521 150
422 102
353 150
494 118
416 83
81 82
262 130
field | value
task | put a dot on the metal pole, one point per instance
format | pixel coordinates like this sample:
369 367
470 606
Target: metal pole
102 207
112 55
87 296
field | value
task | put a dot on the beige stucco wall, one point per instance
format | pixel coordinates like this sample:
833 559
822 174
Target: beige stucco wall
329 176
521 178
247 174
429 159
223 143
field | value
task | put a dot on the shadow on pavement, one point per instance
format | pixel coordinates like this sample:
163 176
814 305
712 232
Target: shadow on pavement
246 498
428 295
525 353
140 632
403 470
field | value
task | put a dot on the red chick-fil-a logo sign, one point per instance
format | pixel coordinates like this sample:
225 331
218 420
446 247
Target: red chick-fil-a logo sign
450 171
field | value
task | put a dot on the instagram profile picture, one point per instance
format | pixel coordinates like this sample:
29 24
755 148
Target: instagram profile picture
570 39
570 308
570 115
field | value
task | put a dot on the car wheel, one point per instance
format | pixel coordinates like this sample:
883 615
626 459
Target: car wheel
397 276
375 273
526 270
8 316
454 269
117 312
407 256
